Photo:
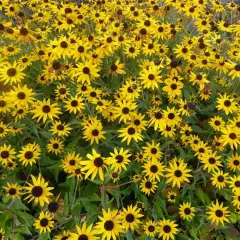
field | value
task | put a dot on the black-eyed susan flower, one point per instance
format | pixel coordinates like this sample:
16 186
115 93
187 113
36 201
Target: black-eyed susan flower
129 133
93 132
230 136
226 103
44 110
219 179
150 228
94 166
148 186
186 211
71 161
3 130
167 229
64 235
44 223
131 217
177 173
171 196
153 169
74 104
152 151
110 225
60 129
11 73
13 190
119 159
217 213
233 162
29 154
84 232
7 154
55 146
39 192
234 183
211 161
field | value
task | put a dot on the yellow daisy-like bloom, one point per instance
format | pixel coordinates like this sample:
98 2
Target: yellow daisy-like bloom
7 154
70 162
96 165
84 232
167 229
153 169
44 110
150 78
119 159
173 88
20 96
236 199
129 133
233 162
64 235
13 190
39 191
150 228
74 104
219 179
186 211
3 130
152 151
234 184
147 186
171 116
210 160
177 173
110 225
117 68
86 72
130 217
11 73
226 103
55 146
217 213
230 136
29 154
217 123
93 132
44 223
171 196
61 129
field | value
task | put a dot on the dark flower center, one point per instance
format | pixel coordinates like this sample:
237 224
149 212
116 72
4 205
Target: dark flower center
174 86
148 185
212 160
28 155
153 150
119 158
72 162
171 116
131 131
151 228
158 115
153 168
56 65
125 110
227 103
4 154
2 103
83 237
167 229
24 31
55 145
233 136
64 44
95 132
109 225
236 163
46 109
74 103
98 162
86 70
12 191
44 222
11 72
37 191
219 213
53 207
237 67
60 127
137 122
187 211
21 95
217 123
221 178
130 218
237 184
151 77
178 173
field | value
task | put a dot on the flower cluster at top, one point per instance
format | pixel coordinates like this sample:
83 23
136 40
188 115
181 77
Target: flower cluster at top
119 119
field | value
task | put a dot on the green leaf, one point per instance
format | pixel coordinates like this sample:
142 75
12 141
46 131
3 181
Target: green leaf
202 196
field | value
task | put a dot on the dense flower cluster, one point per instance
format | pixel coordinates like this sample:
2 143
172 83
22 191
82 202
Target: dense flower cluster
119 119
